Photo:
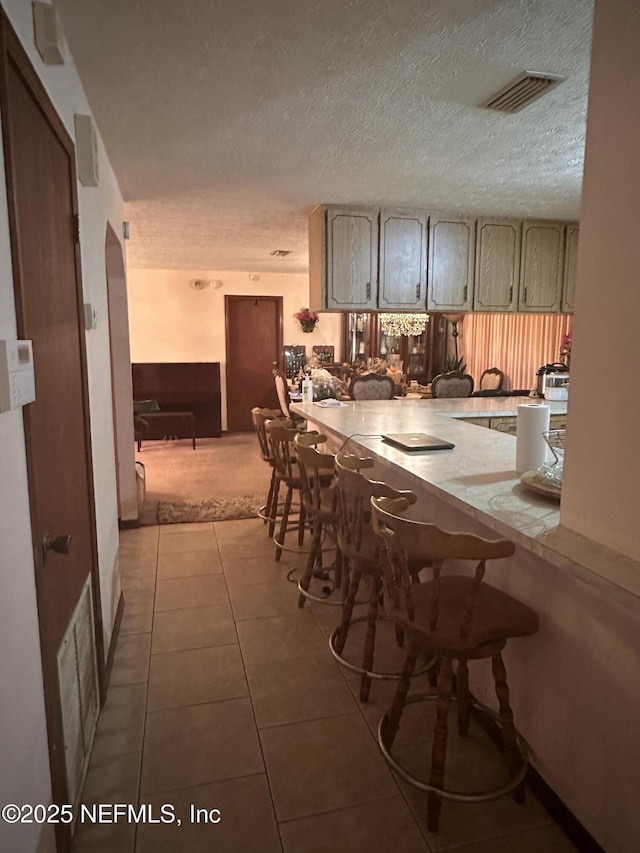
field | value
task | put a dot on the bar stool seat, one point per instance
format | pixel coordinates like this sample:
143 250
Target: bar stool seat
460 618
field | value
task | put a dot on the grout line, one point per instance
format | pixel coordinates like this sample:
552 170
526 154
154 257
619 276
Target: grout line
255 722
146 698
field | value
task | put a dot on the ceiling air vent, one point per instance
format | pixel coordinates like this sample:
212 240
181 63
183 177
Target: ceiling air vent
280 253
522 91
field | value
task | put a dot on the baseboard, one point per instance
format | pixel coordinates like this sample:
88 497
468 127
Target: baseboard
561 814
112 646
128 523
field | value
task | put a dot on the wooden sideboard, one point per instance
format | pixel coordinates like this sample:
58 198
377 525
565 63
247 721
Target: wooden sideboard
181 387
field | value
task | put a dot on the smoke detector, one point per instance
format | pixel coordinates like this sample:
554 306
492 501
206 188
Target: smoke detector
205 283
522 91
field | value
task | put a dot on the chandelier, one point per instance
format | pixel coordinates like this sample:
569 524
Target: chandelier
403 324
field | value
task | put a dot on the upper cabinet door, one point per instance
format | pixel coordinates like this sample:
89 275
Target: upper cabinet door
541 266
403 260
352 259
451 264
497 265
570 264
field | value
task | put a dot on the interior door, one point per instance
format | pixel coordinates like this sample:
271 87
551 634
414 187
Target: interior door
41 190
254 342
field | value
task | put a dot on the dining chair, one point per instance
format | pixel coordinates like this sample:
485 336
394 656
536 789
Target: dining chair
371 386
457 617
282 390
452 384
491 379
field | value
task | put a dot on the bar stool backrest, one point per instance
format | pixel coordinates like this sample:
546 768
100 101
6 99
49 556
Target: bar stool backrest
406 540
315 471
259 417
354 491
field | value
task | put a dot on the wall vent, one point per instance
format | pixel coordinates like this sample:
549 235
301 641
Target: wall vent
522 91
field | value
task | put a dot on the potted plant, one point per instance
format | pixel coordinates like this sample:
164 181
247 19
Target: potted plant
307 319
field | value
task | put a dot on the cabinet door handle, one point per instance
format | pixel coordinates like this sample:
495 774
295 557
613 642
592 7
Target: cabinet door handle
525 296
418 290
510 294
368 291
464 297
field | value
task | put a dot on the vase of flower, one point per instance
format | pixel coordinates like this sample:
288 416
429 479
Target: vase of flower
307 319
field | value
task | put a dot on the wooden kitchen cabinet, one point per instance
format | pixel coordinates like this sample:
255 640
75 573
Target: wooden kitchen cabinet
343 258
541 266
497 265
403 260
451 264
570 265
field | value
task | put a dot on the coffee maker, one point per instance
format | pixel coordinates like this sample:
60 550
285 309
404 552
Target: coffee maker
543 372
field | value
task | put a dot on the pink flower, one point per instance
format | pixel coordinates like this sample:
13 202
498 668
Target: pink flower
306 315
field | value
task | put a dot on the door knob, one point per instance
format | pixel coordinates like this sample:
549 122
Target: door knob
59 544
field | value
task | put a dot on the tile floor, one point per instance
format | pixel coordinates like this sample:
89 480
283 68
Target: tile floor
224 696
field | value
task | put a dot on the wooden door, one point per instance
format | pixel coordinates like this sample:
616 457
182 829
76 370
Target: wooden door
570 266
254 343
403 260
451 264
541 266
352 259
497 265
41 190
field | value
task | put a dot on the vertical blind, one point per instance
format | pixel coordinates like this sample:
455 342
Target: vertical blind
518 344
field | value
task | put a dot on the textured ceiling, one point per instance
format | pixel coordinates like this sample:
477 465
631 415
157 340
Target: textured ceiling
226 121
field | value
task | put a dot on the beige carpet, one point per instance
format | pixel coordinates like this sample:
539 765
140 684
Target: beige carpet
227 467
209 509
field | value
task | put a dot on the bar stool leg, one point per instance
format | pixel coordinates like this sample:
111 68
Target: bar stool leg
284 522
347 610
462 696
370 638
305 581
439 751
511 749
274 507
392 722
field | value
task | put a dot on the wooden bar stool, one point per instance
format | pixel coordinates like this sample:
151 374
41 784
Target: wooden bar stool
281 444
458 618
317 473
259 417
361 554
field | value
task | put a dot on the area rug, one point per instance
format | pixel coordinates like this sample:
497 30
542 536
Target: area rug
209 509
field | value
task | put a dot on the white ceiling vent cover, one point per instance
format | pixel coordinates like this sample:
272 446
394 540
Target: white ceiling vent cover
522 91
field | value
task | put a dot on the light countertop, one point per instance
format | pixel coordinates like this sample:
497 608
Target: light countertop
478 476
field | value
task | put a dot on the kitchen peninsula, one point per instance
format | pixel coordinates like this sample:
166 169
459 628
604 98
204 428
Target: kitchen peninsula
573 688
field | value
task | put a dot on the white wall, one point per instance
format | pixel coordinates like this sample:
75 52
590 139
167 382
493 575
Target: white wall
602 468
23 744
170 321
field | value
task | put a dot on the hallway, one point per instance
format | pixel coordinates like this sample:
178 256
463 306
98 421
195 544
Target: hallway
224 695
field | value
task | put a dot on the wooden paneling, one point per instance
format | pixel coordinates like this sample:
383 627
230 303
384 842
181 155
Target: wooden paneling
541 266
570 266
497 265
182 387
352 259
403 260
451 264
